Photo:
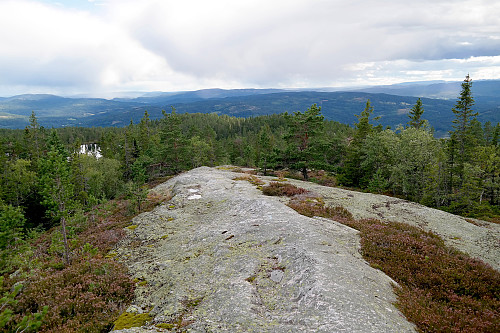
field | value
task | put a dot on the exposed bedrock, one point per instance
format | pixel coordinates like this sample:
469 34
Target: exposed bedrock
222 257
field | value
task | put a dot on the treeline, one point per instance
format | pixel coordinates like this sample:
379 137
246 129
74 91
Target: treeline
460 174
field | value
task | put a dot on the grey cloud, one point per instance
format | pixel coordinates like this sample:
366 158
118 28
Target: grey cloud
316 43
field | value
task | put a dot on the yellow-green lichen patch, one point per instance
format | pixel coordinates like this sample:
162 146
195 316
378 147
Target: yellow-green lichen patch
141 281
128 320
111 255
251 279
165 326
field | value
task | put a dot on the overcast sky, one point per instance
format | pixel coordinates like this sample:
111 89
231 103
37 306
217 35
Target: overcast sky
82 46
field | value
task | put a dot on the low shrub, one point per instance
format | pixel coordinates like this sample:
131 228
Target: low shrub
282 189
85 296
442 289
312 206
88 294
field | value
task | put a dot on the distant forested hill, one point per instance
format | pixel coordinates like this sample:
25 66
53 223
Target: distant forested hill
439 89
55 111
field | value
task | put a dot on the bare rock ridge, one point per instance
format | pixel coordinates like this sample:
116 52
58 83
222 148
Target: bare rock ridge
222 257
477 238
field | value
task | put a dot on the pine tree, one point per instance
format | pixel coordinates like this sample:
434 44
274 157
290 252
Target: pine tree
305 130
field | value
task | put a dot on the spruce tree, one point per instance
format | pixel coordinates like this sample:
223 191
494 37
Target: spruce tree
56 187
352 174
174 152
363 125
462 125
34 138
415 115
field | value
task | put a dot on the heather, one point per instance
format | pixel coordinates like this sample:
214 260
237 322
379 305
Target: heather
86 295
282 189
439 288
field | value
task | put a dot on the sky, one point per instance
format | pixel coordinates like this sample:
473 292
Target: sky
100 47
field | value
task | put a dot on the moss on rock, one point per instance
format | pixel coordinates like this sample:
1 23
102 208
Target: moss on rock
128 320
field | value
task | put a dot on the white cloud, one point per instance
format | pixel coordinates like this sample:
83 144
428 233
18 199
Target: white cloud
191 44
47 46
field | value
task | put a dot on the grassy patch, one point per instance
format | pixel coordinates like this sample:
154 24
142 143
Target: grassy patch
229 168
313 206
440 289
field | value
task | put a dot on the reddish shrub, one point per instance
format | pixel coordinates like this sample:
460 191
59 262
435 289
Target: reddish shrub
85 296
442 289
282 189
316 207
89 294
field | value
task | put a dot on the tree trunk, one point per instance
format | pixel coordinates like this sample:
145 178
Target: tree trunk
304 173
65 239
62 209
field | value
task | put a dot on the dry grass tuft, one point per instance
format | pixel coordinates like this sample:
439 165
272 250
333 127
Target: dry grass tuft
251 179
